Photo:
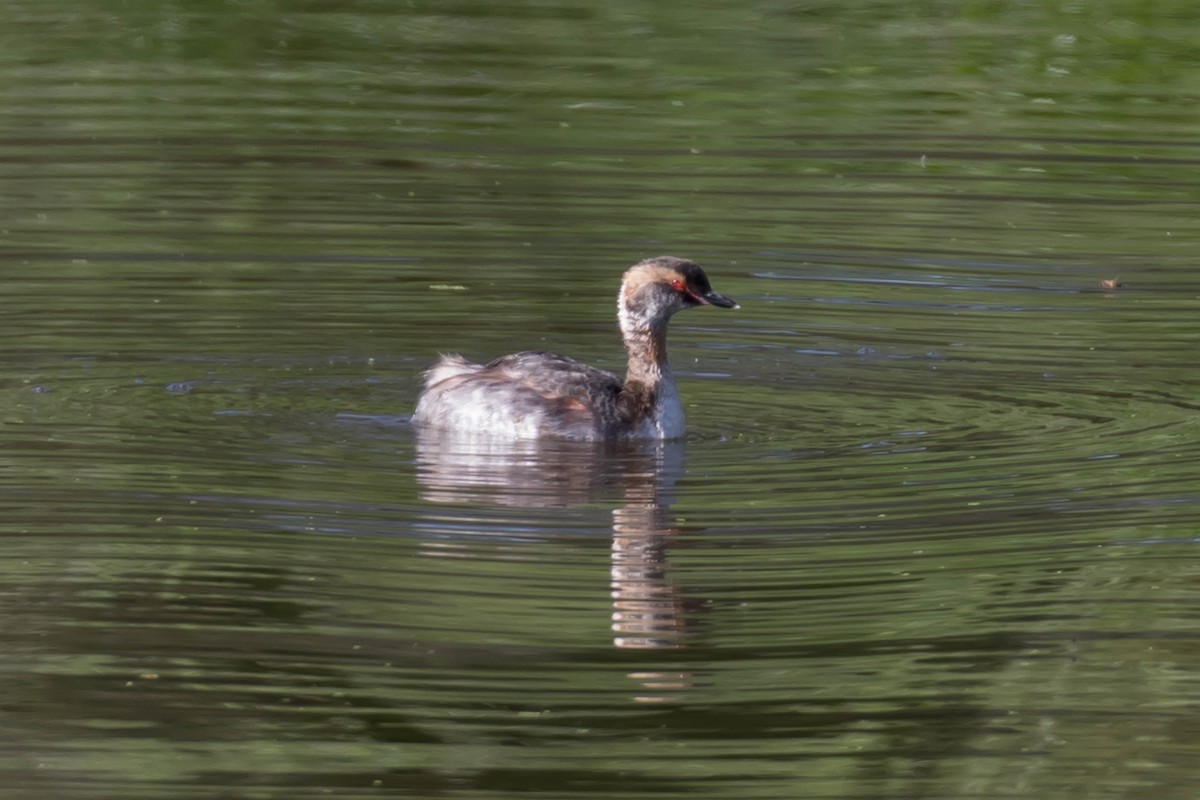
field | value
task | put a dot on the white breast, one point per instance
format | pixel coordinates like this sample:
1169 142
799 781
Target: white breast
668 412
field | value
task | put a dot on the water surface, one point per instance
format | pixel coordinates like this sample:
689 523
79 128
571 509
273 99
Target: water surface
932 532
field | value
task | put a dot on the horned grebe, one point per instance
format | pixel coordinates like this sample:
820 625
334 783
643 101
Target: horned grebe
535 395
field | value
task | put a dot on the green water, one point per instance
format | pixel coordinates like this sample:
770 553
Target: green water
933 531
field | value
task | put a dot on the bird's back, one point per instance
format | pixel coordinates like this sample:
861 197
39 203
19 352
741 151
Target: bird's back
525 395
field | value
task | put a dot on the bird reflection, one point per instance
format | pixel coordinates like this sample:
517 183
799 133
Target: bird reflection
647 604
647 610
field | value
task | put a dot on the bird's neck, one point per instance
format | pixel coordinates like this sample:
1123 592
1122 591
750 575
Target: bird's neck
646 346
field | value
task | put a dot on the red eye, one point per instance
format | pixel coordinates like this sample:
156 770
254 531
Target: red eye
677 285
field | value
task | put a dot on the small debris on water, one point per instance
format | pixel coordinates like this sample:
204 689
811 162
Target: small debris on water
1109 284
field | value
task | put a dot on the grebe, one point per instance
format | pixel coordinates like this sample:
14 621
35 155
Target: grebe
535 395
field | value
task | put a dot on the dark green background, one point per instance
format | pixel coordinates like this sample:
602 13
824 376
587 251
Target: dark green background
933 534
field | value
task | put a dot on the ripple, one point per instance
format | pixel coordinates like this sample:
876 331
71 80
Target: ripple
932 533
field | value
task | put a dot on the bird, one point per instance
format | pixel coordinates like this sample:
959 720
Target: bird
543 395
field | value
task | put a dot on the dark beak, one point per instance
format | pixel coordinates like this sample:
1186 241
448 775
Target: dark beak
719 300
